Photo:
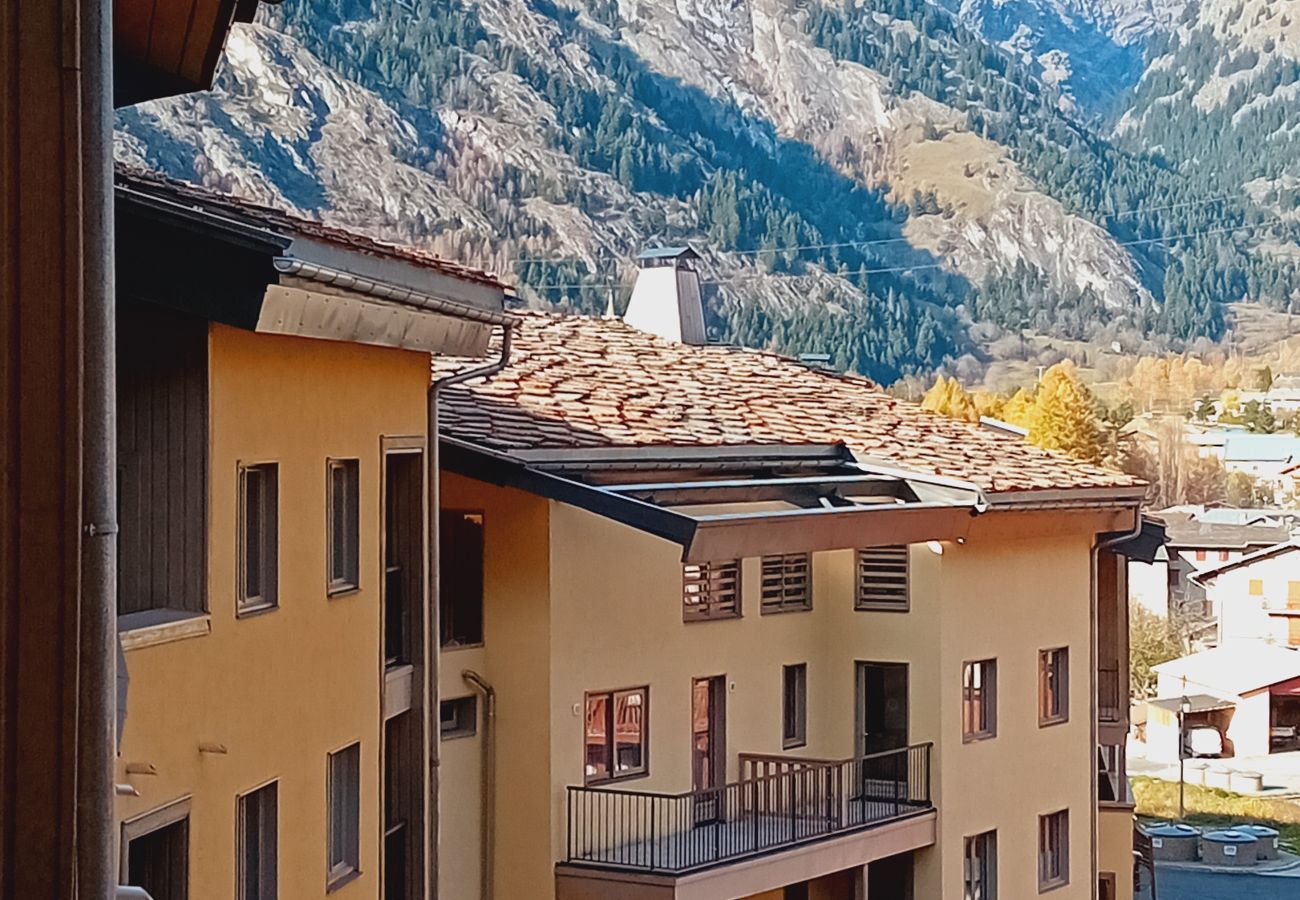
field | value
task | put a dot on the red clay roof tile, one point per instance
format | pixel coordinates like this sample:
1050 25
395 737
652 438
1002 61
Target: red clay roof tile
577 382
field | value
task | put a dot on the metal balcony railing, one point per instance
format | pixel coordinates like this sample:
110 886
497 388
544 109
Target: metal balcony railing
780 801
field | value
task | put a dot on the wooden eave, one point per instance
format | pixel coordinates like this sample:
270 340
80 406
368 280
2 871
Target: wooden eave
166 47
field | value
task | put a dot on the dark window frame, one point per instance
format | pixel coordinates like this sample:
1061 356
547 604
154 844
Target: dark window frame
979 714
267 863
174 814
712 591
464 718
876 593
612 773
794 706
1053 865
343 789
980 850
786 583
1053 686
343 576
266 568
456 609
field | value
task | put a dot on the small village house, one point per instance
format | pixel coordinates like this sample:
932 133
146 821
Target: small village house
1248 691
1256 597
1197 539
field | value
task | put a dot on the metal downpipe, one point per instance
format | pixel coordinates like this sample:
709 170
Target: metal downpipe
488 786
97 687
432 608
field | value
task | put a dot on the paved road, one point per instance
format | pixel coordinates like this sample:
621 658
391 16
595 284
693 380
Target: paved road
1183 885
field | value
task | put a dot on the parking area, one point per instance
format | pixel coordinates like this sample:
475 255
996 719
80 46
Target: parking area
1178 884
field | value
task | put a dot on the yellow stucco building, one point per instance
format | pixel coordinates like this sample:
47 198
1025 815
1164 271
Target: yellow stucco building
757 630
272 394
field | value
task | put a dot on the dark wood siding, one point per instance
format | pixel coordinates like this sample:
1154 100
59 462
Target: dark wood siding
162 433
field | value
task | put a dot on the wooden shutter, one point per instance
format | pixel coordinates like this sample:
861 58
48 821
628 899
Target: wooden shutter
711 590
882 578
787 582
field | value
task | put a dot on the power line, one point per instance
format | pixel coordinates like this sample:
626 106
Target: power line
904 268
872 242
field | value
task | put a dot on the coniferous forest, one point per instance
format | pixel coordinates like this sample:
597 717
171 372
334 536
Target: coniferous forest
1194 202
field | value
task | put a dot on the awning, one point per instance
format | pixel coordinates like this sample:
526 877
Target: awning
1198 703
722 503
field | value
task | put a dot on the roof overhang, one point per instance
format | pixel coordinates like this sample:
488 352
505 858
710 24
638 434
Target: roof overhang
242 272
787 499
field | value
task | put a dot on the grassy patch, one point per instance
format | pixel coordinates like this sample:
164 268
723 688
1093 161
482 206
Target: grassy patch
1213 807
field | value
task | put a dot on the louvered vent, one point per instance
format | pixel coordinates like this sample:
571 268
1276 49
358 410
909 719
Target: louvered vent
882 578
787 582
711 591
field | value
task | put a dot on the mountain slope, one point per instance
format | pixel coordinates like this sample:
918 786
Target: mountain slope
1091 50
872 181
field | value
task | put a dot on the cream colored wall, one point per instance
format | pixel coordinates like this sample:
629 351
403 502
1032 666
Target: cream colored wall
616 603
1115 847
1249 729
517 635
281 689
1008 600
1243 615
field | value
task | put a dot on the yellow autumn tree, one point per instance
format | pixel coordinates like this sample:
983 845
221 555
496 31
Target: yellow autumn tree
1019 410
988 403
1063 417
948 398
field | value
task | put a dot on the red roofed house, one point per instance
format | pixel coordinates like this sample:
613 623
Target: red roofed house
754 629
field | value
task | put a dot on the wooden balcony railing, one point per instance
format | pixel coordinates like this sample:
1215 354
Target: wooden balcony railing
780 801
1112 697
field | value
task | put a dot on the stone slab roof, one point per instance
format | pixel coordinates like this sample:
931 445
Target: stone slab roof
582 382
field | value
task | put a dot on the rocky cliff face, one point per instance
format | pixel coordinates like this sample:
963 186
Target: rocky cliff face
479 163
1092 50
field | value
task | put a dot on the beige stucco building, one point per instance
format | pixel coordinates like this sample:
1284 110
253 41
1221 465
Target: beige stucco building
722 667
272 398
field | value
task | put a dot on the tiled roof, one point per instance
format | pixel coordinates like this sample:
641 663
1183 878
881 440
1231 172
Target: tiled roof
277 220
1186 530
579 382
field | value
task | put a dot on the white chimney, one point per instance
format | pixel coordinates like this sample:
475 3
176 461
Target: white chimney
666 298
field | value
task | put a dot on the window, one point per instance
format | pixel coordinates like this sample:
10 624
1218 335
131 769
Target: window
258 537
979 700
459 718
157 851
1200 556
1256 587
711 591
343 527
344 816
256 843
882 579
617 725
1223 556
787 583
981 867
1053 850
1053 686
461 589
794 711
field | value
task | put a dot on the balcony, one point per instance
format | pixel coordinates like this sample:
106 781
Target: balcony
779 803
